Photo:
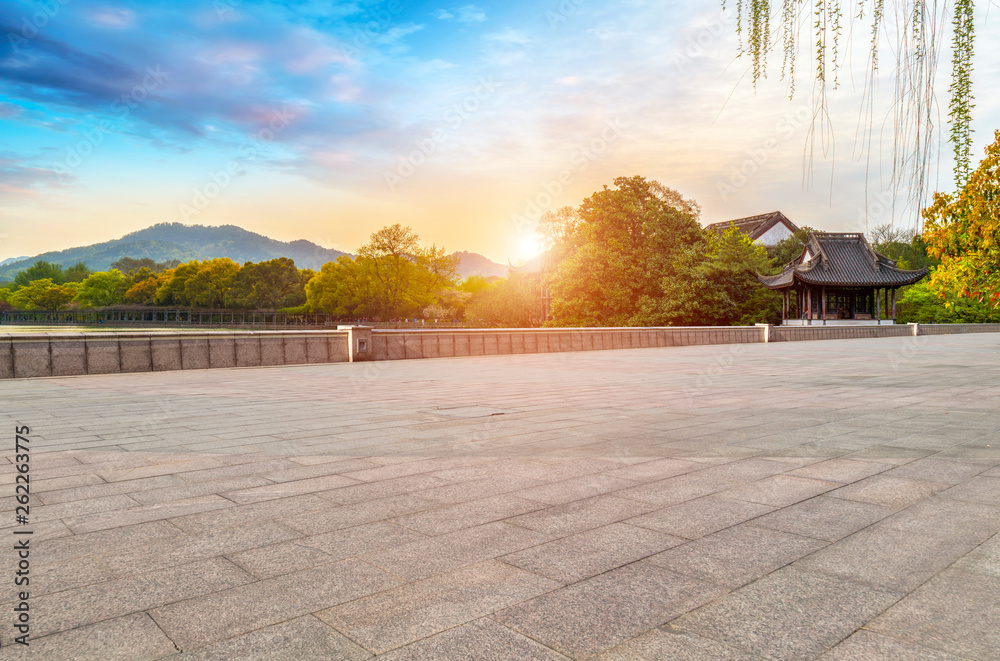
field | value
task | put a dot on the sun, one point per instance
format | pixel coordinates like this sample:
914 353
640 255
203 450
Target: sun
528 247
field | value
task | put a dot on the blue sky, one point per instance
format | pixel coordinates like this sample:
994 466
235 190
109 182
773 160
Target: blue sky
328 120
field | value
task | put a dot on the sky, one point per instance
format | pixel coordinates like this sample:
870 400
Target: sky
329 120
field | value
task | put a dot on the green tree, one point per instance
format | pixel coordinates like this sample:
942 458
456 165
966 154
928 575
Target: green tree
78 272
344 288
719 286
172 284
102 289
268 285
963 231
790 248
128 265
44 294
208 287
41 270
513 302
920 304
614 252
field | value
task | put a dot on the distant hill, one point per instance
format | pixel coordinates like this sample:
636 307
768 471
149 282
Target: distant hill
11 260
472 263
167 241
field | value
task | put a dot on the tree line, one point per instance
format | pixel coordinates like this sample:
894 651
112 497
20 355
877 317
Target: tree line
632 254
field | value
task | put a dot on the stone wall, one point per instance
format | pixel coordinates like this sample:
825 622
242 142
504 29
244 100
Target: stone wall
65 354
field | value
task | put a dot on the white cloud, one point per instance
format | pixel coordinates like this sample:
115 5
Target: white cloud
471 14
443 15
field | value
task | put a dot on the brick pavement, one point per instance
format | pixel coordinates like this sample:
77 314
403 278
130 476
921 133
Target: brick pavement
834 500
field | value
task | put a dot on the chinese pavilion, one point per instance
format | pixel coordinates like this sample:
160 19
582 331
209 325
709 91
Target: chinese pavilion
839 278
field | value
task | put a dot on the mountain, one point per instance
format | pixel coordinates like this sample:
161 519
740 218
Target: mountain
472 263
11 260
166 241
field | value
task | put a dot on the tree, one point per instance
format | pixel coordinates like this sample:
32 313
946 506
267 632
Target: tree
43 294
919 304
78 272
140 286
268 285
173 282
128 265
719 286
208 287
905 246
918 27
612 254
790 248
102 289
963 231
344 288
512 302
40 270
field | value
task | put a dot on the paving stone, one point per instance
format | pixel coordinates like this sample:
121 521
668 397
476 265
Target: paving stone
144 513
126 638
69 609
221 615
894 492
931 469
301 639
984 559
466 515
285 489
482 639
678 489
361 493
385 621
979 489
906 549
669 643
239 515
778 490
870 646
700 517
598 613
593 552
841 470
736 556
657 469
581 515
955 612
346 516
789 614
824 517
577 488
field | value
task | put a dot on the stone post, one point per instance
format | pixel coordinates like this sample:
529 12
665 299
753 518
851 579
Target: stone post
765 329
359 342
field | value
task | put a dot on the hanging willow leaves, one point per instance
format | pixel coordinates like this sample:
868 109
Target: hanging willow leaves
915 30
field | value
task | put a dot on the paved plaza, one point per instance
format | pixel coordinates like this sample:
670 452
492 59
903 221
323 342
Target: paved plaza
798 500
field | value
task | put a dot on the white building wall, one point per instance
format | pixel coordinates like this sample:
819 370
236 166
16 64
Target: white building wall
774 235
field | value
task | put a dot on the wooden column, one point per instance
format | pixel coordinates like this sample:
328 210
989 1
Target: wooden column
809 303
878 308
894 305
823 303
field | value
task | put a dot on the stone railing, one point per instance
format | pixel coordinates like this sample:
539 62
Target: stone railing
66 354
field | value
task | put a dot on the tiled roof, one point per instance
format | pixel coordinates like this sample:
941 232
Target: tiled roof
845 260
754 226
